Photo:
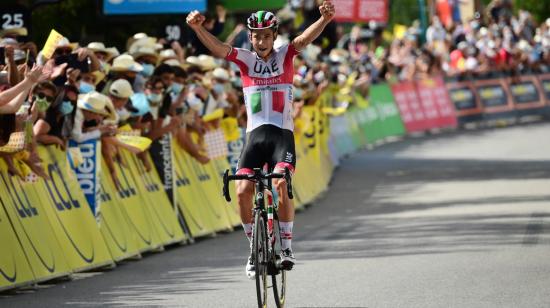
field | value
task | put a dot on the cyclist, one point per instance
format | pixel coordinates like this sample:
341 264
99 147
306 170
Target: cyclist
267 76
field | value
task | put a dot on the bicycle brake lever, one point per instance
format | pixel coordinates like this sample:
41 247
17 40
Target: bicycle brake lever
225 186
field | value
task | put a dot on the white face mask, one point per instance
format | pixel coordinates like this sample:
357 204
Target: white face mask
195 103
123 114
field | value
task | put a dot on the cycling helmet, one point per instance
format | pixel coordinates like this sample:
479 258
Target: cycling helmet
262 20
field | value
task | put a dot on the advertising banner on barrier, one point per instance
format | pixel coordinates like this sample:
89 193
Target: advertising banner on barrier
382 97
87 172
14 267
526 92
464 98
234 149
161 154
435 100
545 85
410 107
493 96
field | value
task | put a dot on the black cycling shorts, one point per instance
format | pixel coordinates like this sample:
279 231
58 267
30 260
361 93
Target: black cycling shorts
268 144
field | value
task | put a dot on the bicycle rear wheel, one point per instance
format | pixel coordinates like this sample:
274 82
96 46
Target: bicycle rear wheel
278 281
260 259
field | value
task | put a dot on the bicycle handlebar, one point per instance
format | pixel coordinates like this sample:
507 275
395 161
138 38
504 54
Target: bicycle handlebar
257 176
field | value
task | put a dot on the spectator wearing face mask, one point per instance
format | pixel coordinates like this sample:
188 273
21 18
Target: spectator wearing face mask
124 67
120 93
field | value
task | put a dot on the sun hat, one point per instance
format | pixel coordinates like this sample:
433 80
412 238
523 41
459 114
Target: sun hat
100 47
207 63
94 102
121 88
220 73
126 63
19 31
144 50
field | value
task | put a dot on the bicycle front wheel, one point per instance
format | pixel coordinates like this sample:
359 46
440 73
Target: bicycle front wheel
278 280
260 259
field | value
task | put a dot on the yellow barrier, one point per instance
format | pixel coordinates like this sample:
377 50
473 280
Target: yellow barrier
30 223
114 225
69 213
188 199
131 204
155 201
14 267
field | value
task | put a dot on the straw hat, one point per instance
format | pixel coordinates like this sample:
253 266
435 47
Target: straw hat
220 73
94 102
100 47
192 61
126 63
173 62
64 43
144 50
167 54
121 88
20 31
207 63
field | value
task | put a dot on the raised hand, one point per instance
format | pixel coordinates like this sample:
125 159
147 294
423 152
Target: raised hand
195 19
36 74
327 9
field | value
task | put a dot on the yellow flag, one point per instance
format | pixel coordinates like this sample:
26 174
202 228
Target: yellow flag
230 128
51 42
141 143
214 115
399 31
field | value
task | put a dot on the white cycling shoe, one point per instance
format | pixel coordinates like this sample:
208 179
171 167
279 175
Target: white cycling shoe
250 269
287 259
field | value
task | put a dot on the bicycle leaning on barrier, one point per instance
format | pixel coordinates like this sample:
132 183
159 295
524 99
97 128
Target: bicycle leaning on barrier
266 234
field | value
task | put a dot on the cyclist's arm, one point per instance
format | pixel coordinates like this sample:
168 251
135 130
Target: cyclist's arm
313 31
218 49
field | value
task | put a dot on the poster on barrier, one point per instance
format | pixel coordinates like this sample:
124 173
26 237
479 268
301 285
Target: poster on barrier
493 96
410 107
544 80
161 153
525 92
87 172
433 94
14 268
464 98
382 97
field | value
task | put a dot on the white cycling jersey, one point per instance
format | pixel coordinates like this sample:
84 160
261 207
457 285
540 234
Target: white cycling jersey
267 86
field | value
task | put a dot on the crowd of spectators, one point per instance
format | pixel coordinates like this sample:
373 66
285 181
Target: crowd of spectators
89 92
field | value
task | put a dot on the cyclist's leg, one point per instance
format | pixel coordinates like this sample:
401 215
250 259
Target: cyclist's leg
285 158
250 158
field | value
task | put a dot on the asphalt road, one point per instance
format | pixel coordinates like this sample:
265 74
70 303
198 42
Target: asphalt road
453 220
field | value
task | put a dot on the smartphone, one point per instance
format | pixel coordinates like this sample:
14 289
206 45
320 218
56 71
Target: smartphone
73 62
2 55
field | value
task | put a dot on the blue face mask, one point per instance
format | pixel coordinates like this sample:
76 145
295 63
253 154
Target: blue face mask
148 70
177 87
218 88
154 98
66 107
298 93
85 87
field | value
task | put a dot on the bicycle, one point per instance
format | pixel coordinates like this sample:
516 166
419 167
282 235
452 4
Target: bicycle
265 250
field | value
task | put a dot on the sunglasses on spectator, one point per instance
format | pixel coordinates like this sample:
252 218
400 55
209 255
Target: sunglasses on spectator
48 98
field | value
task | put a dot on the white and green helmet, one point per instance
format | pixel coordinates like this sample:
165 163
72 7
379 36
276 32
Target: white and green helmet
262 20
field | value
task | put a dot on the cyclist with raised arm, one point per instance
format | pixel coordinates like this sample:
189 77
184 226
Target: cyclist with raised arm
267 75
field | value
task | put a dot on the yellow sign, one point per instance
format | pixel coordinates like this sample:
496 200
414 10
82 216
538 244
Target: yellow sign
51 43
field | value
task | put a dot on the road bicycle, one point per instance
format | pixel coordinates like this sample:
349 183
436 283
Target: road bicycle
266 238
